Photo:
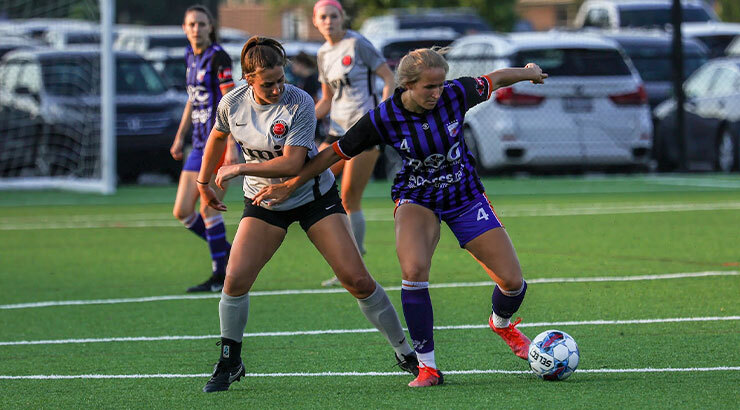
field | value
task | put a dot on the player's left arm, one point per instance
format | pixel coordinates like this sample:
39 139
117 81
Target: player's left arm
221 65
505 77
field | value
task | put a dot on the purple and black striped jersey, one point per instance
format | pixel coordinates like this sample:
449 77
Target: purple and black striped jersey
207 74
438 170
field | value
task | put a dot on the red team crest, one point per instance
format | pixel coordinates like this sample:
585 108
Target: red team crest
279 128
346 60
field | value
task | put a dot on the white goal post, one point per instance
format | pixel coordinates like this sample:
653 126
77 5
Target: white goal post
66 141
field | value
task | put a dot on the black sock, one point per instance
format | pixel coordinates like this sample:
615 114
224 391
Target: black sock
231 350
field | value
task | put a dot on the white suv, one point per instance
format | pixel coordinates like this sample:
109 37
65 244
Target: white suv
591 111
633 13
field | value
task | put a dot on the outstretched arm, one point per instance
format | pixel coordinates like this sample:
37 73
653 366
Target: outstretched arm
274 194
505 77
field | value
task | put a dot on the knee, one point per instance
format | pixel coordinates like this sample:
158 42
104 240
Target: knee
181 214
359 284
512 283
415 271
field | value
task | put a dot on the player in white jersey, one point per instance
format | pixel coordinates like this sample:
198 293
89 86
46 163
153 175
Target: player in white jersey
348 64
274 124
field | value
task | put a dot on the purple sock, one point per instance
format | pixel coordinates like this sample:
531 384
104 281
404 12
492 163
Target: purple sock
216 237
196 225
417 309
506 305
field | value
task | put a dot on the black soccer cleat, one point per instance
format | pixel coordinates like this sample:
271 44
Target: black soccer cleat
223 376
409 363
213 284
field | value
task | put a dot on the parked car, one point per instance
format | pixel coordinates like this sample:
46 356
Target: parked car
463 21
591 112
712 120
144 38
715 35
651 54
50 103
65 36
11 43
638 13
734 48
395 45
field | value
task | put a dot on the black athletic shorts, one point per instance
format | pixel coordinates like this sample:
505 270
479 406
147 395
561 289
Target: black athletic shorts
306 214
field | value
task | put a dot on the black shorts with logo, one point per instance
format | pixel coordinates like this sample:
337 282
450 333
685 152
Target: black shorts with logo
306 214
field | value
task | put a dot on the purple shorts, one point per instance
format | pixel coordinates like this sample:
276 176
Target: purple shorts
194 160
468 221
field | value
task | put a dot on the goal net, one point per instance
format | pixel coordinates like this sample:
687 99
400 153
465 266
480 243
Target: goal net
57 115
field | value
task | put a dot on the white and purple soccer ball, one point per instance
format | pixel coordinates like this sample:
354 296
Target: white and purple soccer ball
553 355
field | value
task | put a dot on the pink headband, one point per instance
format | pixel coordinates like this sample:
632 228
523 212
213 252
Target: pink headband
321 3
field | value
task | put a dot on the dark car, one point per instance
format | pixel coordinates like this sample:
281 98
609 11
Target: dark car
651 53
50 104
712 113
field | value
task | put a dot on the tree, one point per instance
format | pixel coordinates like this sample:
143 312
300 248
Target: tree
729 10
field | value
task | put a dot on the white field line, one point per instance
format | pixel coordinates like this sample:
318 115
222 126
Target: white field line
354 331
149 220
389 288
360 374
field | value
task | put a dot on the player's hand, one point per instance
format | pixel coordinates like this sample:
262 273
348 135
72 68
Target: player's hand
208 196
176 149
225 173
273 194
538 77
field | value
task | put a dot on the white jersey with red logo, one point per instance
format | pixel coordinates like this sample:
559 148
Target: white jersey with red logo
348 67
263 131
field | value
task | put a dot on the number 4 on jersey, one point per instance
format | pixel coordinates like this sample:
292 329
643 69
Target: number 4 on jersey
482 214
404 146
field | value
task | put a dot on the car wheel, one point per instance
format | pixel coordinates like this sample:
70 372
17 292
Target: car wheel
725 152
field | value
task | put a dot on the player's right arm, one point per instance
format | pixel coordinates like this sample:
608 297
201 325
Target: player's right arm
323 106
185 123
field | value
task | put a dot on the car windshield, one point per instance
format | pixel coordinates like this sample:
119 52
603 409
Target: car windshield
654 64
175 72
460 26
393 52
651 17
168 42
575 61
79 76
717 44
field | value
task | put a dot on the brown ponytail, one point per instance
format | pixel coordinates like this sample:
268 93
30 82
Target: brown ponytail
260 53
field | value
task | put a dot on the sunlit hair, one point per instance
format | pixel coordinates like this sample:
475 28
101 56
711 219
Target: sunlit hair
412 64
261 53
213 36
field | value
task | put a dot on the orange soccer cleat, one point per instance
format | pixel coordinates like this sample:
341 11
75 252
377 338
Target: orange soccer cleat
517 341
428 376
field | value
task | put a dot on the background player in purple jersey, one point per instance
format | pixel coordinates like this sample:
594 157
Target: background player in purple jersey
208 79
274 123
348 64
438 182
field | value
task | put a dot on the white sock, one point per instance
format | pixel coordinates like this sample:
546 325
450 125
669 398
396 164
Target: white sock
500 322
426 359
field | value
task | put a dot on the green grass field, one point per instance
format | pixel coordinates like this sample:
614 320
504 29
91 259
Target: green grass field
642 271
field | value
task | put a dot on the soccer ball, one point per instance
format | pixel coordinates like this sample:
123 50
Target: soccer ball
553 355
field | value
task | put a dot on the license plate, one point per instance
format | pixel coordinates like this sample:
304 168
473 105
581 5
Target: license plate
577 104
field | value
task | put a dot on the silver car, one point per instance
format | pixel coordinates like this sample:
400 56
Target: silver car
591 111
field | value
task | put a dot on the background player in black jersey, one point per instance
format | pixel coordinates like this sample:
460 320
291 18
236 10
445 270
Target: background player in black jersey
423 122
348 64
274 123
208 79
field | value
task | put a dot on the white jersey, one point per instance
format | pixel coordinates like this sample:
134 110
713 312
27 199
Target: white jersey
263 130
348 68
